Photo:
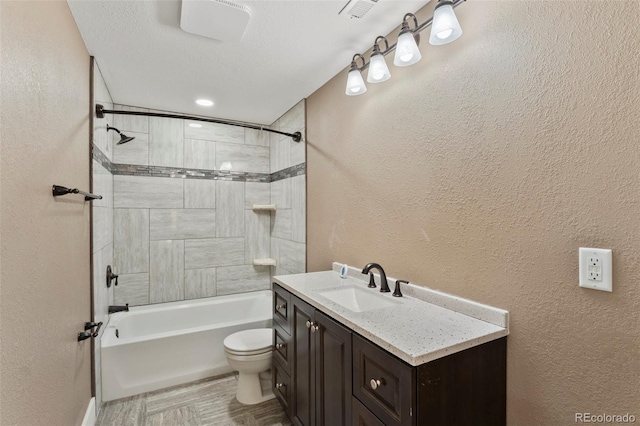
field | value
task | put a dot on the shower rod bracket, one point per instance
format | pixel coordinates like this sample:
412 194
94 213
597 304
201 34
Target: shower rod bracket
100 112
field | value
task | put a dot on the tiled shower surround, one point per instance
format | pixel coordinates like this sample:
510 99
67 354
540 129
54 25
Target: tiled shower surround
183 223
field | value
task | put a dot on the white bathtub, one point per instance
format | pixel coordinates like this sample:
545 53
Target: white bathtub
173 343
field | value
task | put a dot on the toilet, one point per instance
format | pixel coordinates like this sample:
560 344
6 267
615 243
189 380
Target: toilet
249 353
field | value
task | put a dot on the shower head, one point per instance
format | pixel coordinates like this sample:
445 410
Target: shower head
123 138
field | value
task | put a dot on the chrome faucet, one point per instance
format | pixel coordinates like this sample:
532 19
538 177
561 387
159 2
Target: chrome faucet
384 286
115 308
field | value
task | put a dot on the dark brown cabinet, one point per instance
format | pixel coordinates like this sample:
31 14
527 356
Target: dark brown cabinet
383 383
325 374
465 388
317 357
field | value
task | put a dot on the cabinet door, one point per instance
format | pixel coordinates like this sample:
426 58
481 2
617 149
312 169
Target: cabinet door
362 416
384 384
281 385
281 309
333 372
303 373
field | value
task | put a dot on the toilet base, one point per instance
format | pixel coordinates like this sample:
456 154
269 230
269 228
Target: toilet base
250 389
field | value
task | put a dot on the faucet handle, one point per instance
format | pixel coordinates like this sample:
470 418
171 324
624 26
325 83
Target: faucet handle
372 281
111 276
396 291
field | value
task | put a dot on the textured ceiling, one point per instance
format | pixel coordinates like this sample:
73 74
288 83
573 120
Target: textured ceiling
289 49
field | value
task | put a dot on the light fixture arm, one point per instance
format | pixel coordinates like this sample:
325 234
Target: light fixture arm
354 65
376 48
416 31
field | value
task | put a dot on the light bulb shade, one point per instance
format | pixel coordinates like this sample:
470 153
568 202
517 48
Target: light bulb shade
355 83
445 27
378 69
407 52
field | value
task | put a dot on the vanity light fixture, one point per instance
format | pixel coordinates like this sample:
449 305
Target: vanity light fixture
407 52
378 69
196 125
445 29
355 83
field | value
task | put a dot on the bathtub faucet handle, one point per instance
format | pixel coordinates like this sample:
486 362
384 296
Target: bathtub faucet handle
111 276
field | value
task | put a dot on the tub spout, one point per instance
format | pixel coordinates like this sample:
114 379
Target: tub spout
115 308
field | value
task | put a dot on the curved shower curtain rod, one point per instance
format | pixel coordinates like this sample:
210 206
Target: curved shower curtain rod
100 112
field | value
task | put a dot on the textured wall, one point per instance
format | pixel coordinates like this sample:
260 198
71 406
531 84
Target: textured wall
46 378
480 170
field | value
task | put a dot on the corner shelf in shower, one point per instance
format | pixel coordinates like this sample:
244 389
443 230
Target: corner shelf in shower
264 207
264 262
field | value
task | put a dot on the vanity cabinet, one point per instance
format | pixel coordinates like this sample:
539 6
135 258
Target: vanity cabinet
330 375
318 365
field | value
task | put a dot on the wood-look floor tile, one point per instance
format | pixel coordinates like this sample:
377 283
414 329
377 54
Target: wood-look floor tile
188 394
208 402
183 416
124 412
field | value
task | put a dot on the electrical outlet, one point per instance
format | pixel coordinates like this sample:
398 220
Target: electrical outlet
595 268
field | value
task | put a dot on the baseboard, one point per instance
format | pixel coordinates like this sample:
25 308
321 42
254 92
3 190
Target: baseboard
90 415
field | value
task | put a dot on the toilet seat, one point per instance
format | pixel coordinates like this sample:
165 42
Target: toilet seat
249 342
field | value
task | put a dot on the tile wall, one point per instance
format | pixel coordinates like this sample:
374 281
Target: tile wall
288 193
183 224
102 213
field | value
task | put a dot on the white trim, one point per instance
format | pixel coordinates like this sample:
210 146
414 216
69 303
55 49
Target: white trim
90 415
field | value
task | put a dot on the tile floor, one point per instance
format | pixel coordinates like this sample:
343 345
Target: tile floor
202 403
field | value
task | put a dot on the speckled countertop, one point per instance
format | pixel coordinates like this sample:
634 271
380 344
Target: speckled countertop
414 330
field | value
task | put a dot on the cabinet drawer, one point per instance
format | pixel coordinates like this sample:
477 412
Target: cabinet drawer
281 386
383 383
281 308
282 348
362 416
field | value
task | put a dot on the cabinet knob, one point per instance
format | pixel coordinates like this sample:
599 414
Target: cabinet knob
375 384
308 323
314 328
279 385
280 307
280 345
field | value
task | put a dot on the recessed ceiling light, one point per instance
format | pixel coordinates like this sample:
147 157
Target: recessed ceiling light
195 125
204 102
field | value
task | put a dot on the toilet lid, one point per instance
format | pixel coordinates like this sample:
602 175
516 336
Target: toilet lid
254 340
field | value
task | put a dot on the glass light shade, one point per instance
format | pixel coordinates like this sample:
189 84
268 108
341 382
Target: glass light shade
355 83
445 27
407 52
378 69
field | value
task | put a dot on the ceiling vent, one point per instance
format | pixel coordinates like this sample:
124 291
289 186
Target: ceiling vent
356 9
217 19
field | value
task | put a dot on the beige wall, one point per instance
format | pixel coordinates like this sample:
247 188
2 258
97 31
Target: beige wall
46 373
481 170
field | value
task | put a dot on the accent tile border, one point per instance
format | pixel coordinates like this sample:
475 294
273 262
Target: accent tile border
102 159
292 171
183 173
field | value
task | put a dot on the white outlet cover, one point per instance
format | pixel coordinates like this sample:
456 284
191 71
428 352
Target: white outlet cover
602 260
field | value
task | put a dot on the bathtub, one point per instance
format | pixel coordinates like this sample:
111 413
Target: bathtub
156 346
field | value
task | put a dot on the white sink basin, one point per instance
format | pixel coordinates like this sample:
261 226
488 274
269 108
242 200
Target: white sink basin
358 299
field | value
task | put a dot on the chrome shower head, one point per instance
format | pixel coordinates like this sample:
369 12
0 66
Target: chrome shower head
123 138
